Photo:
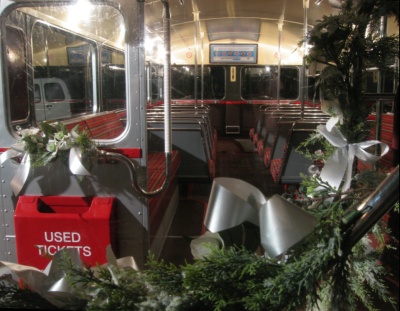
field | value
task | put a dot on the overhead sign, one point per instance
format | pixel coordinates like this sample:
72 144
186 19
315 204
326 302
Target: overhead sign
233 53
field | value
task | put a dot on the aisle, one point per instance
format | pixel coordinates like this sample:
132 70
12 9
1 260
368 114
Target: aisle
235 158
188 222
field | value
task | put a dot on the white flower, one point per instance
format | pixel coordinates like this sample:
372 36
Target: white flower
28 132
51 146
59 135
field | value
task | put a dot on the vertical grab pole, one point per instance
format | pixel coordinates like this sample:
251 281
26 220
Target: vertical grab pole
202 67
167 86
303 84
278 84
167 114
380 90
196 50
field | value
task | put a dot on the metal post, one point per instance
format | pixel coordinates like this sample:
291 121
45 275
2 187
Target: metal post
278 85
380 202
306 4
196 23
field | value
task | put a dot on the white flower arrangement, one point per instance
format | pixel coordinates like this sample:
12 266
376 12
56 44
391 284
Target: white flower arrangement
50 141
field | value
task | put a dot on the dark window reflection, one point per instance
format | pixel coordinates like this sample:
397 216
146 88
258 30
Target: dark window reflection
211 86
261 82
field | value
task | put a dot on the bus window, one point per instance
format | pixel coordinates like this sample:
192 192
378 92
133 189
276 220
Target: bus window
56 102
157 82
311 95
113 79
53 92
183 77
17 74
388 85
37 93
61 55
260 82
54 52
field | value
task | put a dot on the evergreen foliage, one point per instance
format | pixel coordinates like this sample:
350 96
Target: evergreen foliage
347 44
315 273
13 296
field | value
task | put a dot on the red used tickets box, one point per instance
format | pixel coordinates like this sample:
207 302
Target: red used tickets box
47 224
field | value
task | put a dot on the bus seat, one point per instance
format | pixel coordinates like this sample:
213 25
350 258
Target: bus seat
156 177
190 137
281 132
70 124
105 126
287 168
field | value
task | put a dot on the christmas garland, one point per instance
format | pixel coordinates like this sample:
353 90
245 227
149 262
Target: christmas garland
319 272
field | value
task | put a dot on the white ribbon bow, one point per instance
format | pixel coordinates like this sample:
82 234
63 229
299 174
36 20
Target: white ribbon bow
340 164
233 201
332 107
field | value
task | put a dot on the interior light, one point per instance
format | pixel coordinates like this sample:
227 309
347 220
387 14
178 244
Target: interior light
80 12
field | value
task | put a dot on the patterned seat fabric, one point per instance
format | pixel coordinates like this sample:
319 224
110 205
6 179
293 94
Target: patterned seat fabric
260 147
276 165
267 156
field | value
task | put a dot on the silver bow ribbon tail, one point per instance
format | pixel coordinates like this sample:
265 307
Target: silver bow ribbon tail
22 173
75 163
17 183
52 283
339 166
233 201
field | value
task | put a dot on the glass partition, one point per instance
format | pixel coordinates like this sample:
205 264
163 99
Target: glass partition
261 83
183 82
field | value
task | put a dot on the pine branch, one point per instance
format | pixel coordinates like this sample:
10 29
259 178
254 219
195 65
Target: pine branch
12 296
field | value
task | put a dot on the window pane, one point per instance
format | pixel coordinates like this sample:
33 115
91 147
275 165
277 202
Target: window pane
262 83
59 55
53 91
183 78
37 93
17 74
59 58
113 80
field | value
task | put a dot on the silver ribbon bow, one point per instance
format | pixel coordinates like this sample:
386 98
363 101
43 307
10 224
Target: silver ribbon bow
234 201
340 164
17 183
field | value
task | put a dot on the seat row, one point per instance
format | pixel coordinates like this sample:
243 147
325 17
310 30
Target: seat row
386 136
193 136
278 131
108 125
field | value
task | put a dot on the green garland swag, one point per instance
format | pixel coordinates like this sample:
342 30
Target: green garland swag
316 273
